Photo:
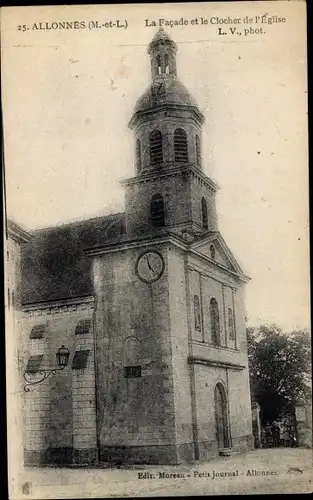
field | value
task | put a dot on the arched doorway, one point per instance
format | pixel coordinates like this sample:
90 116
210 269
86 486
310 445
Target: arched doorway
221 420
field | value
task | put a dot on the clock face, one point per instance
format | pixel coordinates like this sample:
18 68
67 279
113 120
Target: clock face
150 266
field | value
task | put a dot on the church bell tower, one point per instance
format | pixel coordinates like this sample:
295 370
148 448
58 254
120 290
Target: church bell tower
171 363
169 192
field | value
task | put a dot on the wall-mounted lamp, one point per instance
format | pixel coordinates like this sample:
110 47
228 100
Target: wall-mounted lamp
62 356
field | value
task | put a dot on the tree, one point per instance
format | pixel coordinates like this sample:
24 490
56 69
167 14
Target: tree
279 366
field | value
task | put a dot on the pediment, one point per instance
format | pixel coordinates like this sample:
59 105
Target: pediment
215 248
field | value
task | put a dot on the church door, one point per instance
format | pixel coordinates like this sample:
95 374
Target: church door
221 421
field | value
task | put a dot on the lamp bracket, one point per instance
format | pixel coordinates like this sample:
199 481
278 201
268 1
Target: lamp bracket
43 374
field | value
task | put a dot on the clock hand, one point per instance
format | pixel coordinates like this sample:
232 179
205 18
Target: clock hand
149 265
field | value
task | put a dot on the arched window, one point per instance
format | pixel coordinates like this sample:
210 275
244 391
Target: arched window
138 155
198 151
197 313
215 322
231 329
180 145
166 64
157 210
156 148
212 251
158 65
204 209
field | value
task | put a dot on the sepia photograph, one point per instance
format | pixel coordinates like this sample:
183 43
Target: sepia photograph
156 235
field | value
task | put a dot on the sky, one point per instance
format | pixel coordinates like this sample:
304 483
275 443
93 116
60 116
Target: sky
68 96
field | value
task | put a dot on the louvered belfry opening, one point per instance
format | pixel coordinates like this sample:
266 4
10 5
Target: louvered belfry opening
198 151
156 148
204 209
138 155
180 145
157 210
158 65
166 64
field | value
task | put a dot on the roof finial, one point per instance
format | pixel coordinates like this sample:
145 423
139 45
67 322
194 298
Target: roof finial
162 36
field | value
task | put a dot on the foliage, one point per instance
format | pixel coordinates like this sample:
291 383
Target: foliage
279 366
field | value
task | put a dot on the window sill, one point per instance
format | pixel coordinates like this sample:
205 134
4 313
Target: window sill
218 347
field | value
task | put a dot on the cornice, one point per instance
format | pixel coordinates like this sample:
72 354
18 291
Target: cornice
137 243
186 170
242 277
58 303
215 363
149 112
161 239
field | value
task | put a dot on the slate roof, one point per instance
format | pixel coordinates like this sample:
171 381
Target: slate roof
161 37
173 92
16 232
54 265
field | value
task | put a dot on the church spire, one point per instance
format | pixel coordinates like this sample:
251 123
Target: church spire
169 189
162 50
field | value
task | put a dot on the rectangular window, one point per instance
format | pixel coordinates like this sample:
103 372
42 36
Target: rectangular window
132 371
34 363
83 327
80 360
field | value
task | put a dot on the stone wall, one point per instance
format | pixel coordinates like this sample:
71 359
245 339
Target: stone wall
137 418
199 189
13 334
304 424
60 411
206 287
226 364
206 379
175 192
164 413
179 313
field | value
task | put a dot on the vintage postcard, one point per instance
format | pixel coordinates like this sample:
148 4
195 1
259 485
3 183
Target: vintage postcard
156 249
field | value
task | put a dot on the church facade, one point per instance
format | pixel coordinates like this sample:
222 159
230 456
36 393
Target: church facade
149 303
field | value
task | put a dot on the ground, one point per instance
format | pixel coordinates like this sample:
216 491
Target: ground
288 470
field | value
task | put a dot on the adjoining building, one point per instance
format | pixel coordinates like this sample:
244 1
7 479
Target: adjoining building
15 237
303 413
150 304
